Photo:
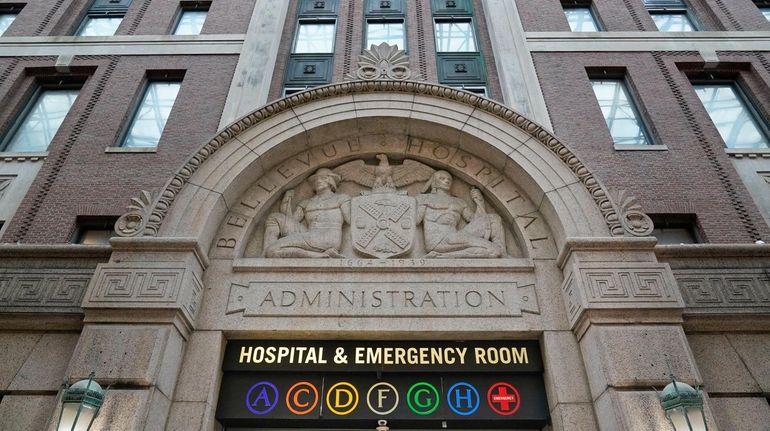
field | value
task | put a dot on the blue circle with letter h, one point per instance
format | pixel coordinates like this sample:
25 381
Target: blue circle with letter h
463 398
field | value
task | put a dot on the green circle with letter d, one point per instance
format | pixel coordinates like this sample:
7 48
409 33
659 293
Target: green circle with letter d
422 398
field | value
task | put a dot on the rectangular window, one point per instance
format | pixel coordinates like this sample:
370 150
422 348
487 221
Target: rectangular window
766 12
6 19
580 18
191 18
672 21
481 91
151 114
738 125
8 13
103 17
390 31
94 230
40 121
314 38
620 113
100 25
675 229
455 36
670 15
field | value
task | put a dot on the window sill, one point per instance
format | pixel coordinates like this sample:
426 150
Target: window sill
131 150
750 153
20 157
641 148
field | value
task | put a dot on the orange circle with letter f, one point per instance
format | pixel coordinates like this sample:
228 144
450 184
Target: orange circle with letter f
301 398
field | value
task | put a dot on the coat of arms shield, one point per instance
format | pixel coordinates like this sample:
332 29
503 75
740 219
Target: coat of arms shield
383 224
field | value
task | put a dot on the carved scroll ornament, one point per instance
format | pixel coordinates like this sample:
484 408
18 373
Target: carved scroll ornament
633 220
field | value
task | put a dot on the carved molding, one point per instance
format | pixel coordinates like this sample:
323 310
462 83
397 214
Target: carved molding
611 285
43 291
383 62
173 187
157 285
724 290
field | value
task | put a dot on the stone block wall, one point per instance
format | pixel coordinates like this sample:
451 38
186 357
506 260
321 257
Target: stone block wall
32 370
736 374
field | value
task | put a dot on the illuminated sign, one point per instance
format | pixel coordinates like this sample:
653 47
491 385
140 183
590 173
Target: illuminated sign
411 384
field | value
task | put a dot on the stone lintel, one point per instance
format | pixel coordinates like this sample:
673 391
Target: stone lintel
599 248
47 251
153 245
130 316
689 256
734 322
40 321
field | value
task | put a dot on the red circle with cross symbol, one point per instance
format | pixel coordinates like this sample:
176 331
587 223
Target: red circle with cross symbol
503 398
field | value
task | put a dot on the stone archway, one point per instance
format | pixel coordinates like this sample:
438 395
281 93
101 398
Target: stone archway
191 268
212 179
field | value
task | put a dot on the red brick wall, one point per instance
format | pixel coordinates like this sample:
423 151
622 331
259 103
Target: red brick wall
737 15
693 175
631 15
78 174
224 17
63 17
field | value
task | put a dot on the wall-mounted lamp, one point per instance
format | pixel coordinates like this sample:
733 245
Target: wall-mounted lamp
80 405
683 405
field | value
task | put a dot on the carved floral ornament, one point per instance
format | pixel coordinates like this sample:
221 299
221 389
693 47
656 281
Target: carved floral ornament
384 61
147 214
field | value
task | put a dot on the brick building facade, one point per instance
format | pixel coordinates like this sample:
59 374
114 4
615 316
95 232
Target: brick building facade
275 94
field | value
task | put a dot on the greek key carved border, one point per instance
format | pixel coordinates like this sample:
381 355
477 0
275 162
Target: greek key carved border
45 291
722 290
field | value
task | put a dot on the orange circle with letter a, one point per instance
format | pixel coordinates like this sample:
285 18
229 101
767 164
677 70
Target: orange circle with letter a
342 398
301 398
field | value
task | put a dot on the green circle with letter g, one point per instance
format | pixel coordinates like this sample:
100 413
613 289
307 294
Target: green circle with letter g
422 398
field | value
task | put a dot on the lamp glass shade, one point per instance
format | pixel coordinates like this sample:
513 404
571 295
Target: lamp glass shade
687 418
69 414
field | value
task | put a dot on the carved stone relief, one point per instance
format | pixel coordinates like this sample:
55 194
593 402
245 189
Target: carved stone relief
384 61
633 220
386 218
145 285
724 290
612 285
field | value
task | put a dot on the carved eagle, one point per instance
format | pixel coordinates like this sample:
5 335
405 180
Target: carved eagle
384 177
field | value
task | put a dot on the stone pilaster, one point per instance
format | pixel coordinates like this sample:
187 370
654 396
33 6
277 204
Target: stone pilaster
518 78
253 74
626 311
140 310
